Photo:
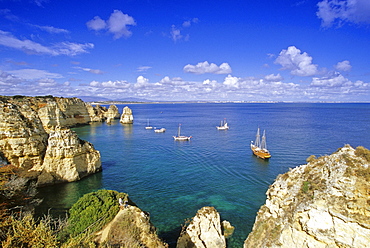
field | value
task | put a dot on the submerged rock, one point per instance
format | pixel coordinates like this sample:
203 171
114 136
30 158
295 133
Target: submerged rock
204 231
324 203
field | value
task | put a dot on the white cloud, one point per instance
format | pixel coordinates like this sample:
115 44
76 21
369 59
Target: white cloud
93 71
31 47
52 30
205 67
47 82
33 74
343 66
335 80
274 78
340 11
117 24
188 23
299 64
175 33
96 24
143 68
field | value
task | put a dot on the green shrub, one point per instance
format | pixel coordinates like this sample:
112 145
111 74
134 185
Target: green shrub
92 211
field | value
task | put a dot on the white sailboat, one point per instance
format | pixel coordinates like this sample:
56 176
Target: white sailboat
259 147
180 137
223 126
160 130
148 126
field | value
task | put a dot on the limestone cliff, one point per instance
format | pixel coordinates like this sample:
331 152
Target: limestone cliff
67 158
130 228
127 117
34 135
204 231
325 203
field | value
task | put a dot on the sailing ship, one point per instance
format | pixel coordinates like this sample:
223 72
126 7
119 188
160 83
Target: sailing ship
180 137
148 126
223 126
259 147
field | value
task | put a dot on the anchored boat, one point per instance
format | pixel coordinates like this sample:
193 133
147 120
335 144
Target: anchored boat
180 137
148 126
223 126
259 147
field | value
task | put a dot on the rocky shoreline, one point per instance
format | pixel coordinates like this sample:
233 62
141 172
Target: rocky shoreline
324 203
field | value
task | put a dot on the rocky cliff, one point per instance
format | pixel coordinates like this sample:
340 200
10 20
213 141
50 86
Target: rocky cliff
205 231
131 227
325 203
35 136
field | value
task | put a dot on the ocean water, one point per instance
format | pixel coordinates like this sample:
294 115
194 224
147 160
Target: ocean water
172 180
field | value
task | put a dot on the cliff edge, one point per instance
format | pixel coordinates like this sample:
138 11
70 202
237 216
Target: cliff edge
35 136
324 203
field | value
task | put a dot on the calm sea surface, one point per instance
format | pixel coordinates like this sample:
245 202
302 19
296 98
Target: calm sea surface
172 180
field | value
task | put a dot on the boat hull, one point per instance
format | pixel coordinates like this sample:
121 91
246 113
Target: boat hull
261 153
181 138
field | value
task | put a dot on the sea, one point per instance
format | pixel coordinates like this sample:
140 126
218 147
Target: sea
172 180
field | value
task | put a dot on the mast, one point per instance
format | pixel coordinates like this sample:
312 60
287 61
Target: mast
263 143
257 142
178 133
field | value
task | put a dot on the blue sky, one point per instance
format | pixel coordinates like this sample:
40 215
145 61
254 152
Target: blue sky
282 50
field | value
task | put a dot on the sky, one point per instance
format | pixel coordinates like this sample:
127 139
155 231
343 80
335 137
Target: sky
156 50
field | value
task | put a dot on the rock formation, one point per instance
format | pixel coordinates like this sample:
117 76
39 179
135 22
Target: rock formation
127 117
325 203
34 135
204 231
112 113
67 158
130 228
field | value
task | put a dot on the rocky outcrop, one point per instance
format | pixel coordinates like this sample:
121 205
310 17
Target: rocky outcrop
127 117
324 203
111 113
67 158
131 227
34 135
204 231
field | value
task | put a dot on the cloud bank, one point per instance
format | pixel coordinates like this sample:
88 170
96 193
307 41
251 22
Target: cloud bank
338 12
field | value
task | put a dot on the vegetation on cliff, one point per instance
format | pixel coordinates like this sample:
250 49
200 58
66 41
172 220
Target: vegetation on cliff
324 203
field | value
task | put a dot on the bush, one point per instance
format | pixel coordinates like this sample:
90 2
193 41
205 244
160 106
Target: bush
92 211
363 152
25 232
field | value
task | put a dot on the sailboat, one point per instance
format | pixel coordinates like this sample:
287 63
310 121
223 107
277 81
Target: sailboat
259 147
148 126
179 137
223 126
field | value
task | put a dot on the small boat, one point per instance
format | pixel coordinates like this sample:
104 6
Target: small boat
148 126
160 130
223 126
259 148
179 137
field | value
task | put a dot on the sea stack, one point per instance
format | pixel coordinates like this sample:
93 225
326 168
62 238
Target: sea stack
127 117
324 203
204 231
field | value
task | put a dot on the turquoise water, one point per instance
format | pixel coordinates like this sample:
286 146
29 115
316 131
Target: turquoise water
172 180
